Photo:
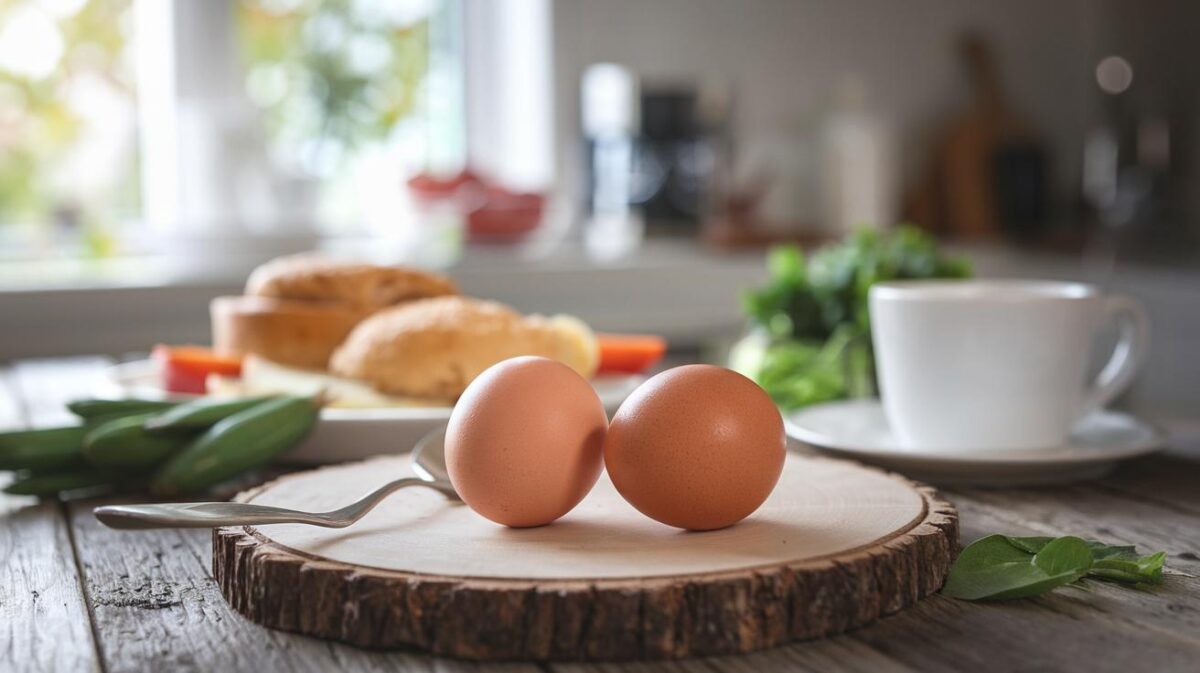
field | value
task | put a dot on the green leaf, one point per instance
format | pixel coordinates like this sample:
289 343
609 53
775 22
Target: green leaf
1117 571
1116 563
1152 565
1064 555
796 373
992 568
1131 568
786 264
999 566
1101 550
1032 545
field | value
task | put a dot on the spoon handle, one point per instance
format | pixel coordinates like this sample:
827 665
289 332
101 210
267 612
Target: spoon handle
205 515
217 514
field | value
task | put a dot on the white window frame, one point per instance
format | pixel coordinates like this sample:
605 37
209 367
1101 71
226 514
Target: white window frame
190 80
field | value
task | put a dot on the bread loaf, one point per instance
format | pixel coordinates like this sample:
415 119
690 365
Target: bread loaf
295 333
433 348
310 277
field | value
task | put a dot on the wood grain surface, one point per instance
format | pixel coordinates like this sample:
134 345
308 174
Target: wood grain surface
819 508
172 616
43 611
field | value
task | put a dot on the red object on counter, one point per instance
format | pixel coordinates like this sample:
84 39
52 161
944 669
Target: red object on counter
185 369
426 186
629 353
493 214
505 216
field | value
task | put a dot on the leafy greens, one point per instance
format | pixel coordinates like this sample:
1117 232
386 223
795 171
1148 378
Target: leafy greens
812 326
999 567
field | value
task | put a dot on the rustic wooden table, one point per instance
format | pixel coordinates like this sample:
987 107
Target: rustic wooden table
75 596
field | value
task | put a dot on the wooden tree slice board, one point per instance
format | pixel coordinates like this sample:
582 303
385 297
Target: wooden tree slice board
837 545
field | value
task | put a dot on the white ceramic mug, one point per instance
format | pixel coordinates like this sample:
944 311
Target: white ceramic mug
997 364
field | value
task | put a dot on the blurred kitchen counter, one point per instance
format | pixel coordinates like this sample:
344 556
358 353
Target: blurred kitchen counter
677 288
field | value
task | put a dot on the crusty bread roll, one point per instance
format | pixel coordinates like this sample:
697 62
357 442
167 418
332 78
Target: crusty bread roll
294 333
433 348
310 277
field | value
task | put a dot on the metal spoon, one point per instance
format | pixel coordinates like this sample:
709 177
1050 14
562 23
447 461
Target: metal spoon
428 461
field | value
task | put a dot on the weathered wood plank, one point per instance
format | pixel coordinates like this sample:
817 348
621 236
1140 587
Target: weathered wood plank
1162 480
1173 608
156 607
1108 628
154 604
46 386
1093 512
839 653
943 634
44 624
1090 511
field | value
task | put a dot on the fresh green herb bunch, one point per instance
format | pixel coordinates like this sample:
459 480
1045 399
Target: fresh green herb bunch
813 300
812 326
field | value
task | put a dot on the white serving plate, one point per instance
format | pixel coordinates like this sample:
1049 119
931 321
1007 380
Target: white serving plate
342 433
858 429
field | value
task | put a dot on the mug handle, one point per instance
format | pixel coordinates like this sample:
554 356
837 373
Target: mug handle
1133 342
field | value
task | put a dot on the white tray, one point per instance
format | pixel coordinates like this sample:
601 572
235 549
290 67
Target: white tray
343 434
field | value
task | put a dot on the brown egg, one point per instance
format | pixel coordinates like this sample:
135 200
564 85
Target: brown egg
696 447
525 441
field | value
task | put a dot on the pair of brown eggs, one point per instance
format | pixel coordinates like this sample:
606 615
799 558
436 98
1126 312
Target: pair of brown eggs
696 447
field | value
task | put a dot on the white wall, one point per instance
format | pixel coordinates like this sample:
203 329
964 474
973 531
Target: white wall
784 57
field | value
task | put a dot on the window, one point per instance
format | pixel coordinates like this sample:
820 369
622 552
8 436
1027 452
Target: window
68 136
127 123
285 117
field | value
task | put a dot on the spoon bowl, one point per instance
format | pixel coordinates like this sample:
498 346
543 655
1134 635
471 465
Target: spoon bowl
429 459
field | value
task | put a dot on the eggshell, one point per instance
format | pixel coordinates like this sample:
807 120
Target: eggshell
525 441
696 447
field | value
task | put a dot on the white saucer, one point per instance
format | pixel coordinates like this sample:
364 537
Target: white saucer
859 430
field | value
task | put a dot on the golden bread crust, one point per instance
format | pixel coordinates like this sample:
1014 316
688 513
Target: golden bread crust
314 278
433 348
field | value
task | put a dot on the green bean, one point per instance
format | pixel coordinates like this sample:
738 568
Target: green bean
95 408
124 442
199 414
47 448
245 440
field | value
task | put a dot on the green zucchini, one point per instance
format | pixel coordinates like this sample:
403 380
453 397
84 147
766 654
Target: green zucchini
91 409
245 440
124 442
47 448
199 414
57 482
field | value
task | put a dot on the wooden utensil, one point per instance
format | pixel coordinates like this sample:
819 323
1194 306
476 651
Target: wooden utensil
958 196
